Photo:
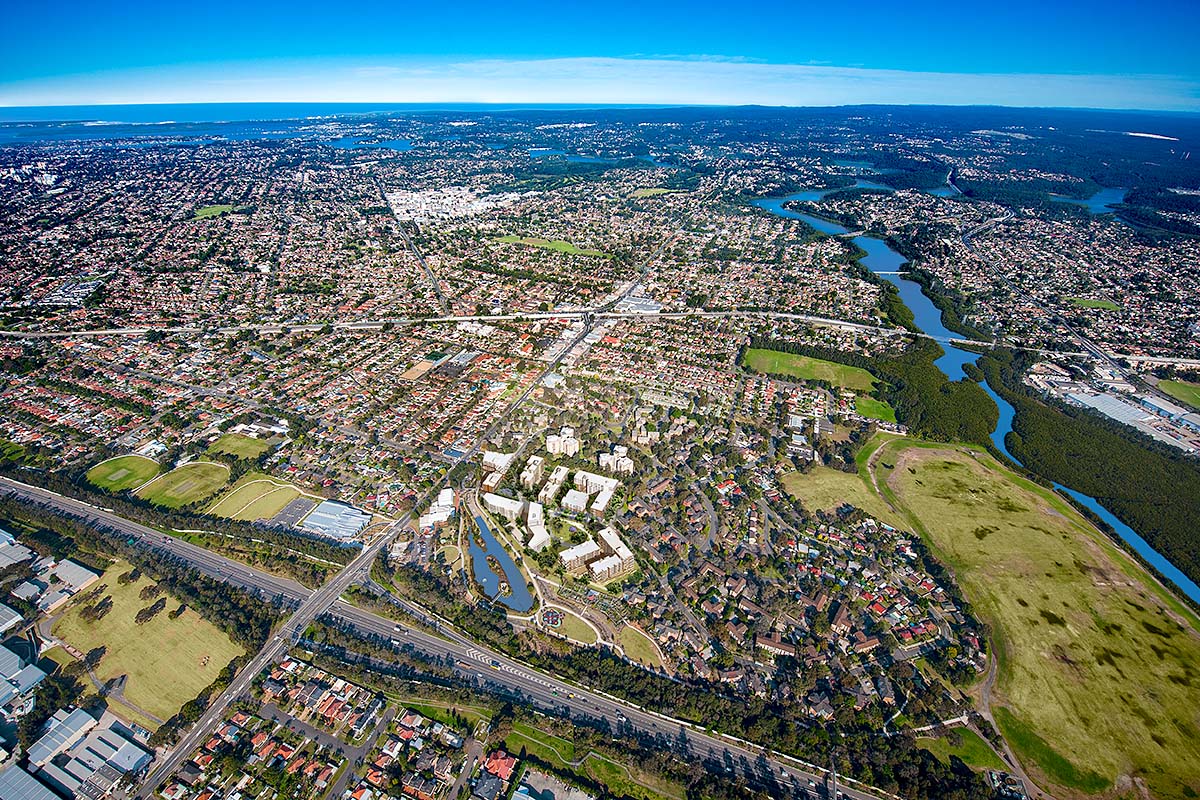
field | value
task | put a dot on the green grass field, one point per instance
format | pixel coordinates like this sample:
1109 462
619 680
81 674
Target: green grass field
557 245
187 484
874 409
576 629
1183 391
825 489
167 661
621 779
638 647
239 446
775 362
1088 302
1099 667
639 193
122 473
255 496
212 211
973 750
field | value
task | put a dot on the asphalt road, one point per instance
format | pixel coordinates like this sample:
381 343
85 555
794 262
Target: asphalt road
474 663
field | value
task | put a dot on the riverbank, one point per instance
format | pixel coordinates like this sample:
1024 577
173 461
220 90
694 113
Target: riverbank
886 263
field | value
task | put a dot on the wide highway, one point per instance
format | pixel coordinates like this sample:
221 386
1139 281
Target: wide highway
475 663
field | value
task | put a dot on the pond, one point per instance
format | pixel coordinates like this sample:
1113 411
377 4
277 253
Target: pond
519 598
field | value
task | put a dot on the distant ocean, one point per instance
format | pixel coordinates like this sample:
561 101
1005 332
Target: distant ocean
158 114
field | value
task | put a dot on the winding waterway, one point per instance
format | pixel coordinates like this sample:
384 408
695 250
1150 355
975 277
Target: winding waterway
886 263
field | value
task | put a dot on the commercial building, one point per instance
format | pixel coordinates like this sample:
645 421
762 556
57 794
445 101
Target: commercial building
82 759
1163 408
17 784
63 729
9 619
12 551
440 511
334 520
18 681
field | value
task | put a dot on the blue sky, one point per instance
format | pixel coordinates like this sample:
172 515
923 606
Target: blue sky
1100 54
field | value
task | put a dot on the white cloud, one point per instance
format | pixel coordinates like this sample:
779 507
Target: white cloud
662 80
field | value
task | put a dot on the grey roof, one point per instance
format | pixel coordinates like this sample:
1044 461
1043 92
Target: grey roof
8 617
65 730
10 663
27 590
17 784
13 553
27 678
74 575
337 520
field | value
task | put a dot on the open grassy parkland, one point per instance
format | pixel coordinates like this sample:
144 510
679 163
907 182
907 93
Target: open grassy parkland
575 629
1088 302
122 473
654 192
1183 391
973 750
1099 667
239 446
558 245
255 496
806 368
190 483
621 779
827 489
212 211
167 661
874 409
639 647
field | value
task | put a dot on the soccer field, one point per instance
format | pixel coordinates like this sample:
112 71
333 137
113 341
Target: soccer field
122 473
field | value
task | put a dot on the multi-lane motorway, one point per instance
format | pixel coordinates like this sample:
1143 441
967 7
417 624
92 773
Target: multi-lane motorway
473 662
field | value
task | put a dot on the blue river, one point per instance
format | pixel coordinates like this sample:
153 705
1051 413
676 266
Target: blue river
356 143
519 598
884 261
1101 202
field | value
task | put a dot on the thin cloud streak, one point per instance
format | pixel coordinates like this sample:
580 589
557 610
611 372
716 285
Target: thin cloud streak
695 81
